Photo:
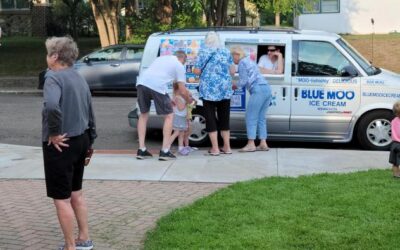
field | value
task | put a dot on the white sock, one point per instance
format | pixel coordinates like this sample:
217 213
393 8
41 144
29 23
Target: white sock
181 147
165 150
143 149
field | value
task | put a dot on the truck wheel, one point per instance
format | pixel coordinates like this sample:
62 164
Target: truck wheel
374 132
199 136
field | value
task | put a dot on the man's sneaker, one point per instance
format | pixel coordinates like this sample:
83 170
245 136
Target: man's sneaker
184 151
143 154
84 245
166 156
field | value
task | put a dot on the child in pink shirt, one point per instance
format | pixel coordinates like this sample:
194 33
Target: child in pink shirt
394 157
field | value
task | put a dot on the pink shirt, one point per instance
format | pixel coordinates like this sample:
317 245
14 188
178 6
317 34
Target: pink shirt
395 124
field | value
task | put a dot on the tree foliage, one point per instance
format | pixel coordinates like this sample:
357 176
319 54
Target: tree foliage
282 6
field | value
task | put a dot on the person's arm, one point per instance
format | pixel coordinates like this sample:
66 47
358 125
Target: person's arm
184 91
199 63
180 103
243 75
52 96
92 123
280 59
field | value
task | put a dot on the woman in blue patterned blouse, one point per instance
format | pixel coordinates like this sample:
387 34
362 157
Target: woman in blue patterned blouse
260 99
215 66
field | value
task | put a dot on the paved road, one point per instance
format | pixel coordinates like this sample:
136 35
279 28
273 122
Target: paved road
20 121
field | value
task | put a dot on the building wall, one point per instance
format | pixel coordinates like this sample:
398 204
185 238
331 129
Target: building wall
16 22
355 17
25 22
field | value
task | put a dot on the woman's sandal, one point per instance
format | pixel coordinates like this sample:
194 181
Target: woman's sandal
262 148
247 149
225 152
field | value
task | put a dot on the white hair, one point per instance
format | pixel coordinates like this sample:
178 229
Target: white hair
212 40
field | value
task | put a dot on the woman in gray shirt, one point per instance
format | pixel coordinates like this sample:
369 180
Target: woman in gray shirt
68 131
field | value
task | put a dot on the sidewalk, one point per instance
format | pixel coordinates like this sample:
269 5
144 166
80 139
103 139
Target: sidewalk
18 162
121 211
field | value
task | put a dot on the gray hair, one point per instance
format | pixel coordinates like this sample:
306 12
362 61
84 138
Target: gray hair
212 40
238 50
64 47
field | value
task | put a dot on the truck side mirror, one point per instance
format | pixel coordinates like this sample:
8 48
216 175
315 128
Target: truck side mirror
86 59
349 71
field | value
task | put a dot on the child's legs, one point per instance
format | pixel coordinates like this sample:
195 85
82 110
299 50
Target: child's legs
181 138
187 134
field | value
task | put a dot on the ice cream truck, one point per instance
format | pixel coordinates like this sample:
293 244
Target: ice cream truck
328 91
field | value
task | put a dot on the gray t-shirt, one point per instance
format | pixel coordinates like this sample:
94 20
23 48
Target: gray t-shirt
67 105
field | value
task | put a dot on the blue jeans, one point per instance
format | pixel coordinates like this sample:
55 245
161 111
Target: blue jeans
260 99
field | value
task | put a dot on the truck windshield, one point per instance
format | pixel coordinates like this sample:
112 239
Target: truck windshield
368 67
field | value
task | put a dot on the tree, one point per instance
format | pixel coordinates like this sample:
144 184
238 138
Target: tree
106 14
72 7
164 11
281 6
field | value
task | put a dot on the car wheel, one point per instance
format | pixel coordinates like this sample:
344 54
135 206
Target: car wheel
374 131
198 136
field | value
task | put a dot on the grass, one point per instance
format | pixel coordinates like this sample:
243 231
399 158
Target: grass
329 211
26 56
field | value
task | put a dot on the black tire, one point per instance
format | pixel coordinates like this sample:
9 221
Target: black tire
199 136
374 132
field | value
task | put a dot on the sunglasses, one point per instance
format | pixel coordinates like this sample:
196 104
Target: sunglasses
272 50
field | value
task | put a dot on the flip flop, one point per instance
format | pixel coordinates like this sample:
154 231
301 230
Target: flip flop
225 152
259 148
213 153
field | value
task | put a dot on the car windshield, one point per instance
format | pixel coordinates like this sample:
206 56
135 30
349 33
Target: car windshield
367 66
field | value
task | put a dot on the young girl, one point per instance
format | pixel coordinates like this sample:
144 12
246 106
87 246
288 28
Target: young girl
394 157
190 106
180 123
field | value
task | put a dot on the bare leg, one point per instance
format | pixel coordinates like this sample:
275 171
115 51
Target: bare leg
396 171
251 144
167 130
80 208
263 143
226 138
173 137
66 217
180 138
214 141
141 127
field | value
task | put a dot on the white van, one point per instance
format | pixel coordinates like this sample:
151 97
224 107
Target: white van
327 93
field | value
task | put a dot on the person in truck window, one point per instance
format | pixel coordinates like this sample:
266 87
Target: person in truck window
271 63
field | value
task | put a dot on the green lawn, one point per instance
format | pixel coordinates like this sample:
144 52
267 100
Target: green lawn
329 211
26 56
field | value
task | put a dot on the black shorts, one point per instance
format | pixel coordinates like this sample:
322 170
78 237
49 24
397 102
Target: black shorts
64 170
394 156
162 102
217 114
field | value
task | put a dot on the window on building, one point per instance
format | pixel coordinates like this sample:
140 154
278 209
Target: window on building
14 4
322 6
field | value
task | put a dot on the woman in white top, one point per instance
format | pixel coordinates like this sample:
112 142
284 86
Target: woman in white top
272 63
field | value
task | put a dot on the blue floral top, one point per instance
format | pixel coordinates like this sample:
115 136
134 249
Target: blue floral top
215 79
249 74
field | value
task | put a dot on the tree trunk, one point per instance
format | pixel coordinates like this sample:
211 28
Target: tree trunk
237 13
106 15
243 21
130 10
221 12
164 11
277 19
